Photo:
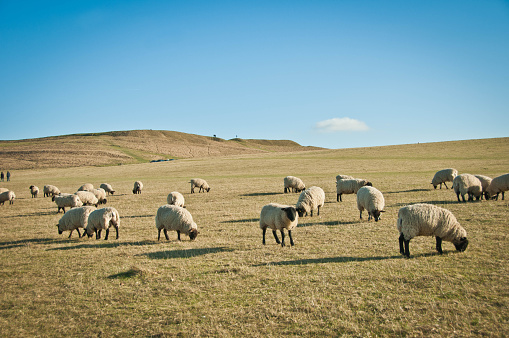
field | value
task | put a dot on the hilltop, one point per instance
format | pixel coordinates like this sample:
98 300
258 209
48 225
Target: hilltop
125 147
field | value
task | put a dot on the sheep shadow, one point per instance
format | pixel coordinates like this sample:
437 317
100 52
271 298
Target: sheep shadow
32 214
139 216
403 191
261 194
189 253
329 260
402 204
329 223
112 243
17 244
246 220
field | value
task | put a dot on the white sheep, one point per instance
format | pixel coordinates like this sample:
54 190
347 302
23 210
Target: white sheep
293 184
74 219
108 188
86 187
34 190
310 199
102 219
199 183
50 190
467 184
138 187
485 183
87 197
7 196
499 184
100 194
350 186
429 220
371 200
67 200
175 198
172 217
278 217
442 176
344 177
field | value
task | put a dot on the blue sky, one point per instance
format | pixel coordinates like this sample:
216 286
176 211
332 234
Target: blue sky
335 74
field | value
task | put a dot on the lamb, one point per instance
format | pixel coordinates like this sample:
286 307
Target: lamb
350 186
34 191
138 187
100 194
278 217
199 183
7 196
343 177
176 198
74 219
67 200
108 188
102 219
310 199
372 200
293 184
429 220
50 190
498 185
442 176
172 217
87 197
86 187
467 184
485 183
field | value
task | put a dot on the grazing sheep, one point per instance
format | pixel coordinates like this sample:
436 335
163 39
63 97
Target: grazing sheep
74 219
3 190
138 187
7 196
176 198
310 199
86 187
67 200
278 217
350 186
293 184
172 217
498 185
343 177
50 190
442 176
102 219
199 183
372 200
485 183
429 220
34 191
467 184
87 197
100 194
107 187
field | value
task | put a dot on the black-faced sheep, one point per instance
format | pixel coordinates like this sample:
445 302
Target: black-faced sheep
350 186
138 187
293 184
442 176
467 184
171 217
371 200
34 191
310 199
278 217
199 183
74 219
498 185
7 196
102 219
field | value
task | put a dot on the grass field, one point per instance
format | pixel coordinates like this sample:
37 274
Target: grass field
344 276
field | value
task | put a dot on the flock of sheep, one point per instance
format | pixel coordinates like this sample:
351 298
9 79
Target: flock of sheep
413 220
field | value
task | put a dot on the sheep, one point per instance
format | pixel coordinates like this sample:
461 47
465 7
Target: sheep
172 217
100 194
310 199
350 186
67 200
74 219
278 217
442 176
108 188
34 190
485 183
199 183
138 187
372 200
102 219
7 196
343 177
50 190
86 187
467 184
429 220
88 198
3 190
293 184
176 198
498 185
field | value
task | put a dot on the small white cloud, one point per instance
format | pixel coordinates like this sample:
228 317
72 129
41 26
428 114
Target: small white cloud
341 124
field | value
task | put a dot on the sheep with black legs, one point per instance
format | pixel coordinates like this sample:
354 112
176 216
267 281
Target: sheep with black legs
172 217
86 187
199 183
293 184
67 201
138 187
350 186
87 198
175 198
7 196
429 220
371 200
74 219
485 183
50 190
466 184
108 188
442 176
310 199
102 219
498 185
278 217
34 190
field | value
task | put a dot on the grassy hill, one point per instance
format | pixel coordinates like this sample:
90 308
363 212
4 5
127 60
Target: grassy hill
127 147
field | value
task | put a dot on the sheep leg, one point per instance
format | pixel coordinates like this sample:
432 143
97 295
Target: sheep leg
401 240
116 228
70 234
98 234
275 236
79 235
407 248
360 215
159 234
178 235
318 213
502 195
263 235
458 196
311 213
107 233
439 245
291 239
166 234
445 186
282 237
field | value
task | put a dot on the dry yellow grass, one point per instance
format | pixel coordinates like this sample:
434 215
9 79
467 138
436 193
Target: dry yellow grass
343 276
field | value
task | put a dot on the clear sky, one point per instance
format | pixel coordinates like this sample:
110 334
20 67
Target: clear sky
336 74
